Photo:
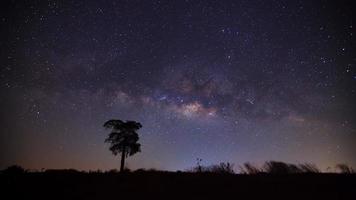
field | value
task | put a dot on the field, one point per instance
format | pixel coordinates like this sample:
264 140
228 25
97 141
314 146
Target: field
71 184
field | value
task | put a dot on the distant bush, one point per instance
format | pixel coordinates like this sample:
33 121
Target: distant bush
14 169
98 171
153 170
126 170
345 169
222 168
150 170
62 171
309 168
140 170
276 167
113 171
249 168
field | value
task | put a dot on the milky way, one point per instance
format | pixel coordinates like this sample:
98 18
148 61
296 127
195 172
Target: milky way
236 81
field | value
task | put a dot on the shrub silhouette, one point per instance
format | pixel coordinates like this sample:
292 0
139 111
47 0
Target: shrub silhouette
249 168
222 168
198 167
123 138
276 167
309 168
14 170
345 169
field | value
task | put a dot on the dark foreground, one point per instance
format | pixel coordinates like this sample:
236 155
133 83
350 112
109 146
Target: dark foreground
170 185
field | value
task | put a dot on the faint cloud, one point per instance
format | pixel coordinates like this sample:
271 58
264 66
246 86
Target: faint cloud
295 118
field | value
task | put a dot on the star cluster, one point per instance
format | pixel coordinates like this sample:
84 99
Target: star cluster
224 80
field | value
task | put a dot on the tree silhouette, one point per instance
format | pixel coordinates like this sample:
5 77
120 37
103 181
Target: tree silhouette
123 138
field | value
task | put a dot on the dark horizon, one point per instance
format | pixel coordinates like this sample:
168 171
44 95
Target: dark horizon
224 81
298 169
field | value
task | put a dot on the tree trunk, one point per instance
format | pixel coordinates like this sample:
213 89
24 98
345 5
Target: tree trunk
123 154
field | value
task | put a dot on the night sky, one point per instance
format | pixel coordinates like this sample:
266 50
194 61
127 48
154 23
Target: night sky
236 81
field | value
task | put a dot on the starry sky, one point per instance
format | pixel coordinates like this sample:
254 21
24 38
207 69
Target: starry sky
237 81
